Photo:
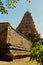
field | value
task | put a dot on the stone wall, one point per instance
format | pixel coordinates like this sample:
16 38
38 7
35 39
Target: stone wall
4 48
3 32
17 40
19 44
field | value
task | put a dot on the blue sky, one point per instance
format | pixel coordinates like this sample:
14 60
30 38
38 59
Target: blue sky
15 15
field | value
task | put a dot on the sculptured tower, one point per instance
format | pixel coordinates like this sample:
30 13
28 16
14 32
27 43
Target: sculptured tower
27 26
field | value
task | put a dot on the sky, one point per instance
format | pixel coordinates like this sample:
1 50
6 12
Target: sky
15 15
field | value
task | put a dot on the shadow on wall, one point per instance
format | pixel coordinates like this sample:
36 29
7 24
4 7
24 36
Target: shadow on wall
10 57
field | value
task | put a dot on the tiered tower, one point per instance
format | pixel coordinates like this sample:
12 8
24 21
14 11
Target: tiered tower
27 26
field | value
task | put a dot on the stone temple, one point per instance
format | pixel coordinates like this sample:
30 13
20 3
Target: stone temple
12 44
17 43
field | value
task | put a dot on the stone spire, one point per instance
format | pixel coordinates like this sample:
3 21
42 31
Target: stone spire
27 25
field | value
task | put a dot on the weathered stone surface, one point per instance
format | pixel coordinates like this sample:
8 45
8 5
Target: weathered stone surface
3 32
12 42
18 41
27 26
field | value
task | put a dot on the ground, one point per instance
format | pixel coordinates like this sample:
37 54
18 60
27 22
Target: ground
24 61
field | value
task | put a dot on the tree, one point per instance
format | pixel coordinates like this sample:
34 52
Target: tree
37 51
9 4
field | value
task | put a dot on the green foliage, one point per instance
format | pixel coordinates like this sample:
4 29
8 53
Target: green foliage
3 10
28 1
10 4
37 51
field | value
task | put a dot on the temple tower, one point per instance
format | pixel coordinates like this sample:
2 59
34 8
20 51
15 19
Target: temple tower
27 26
